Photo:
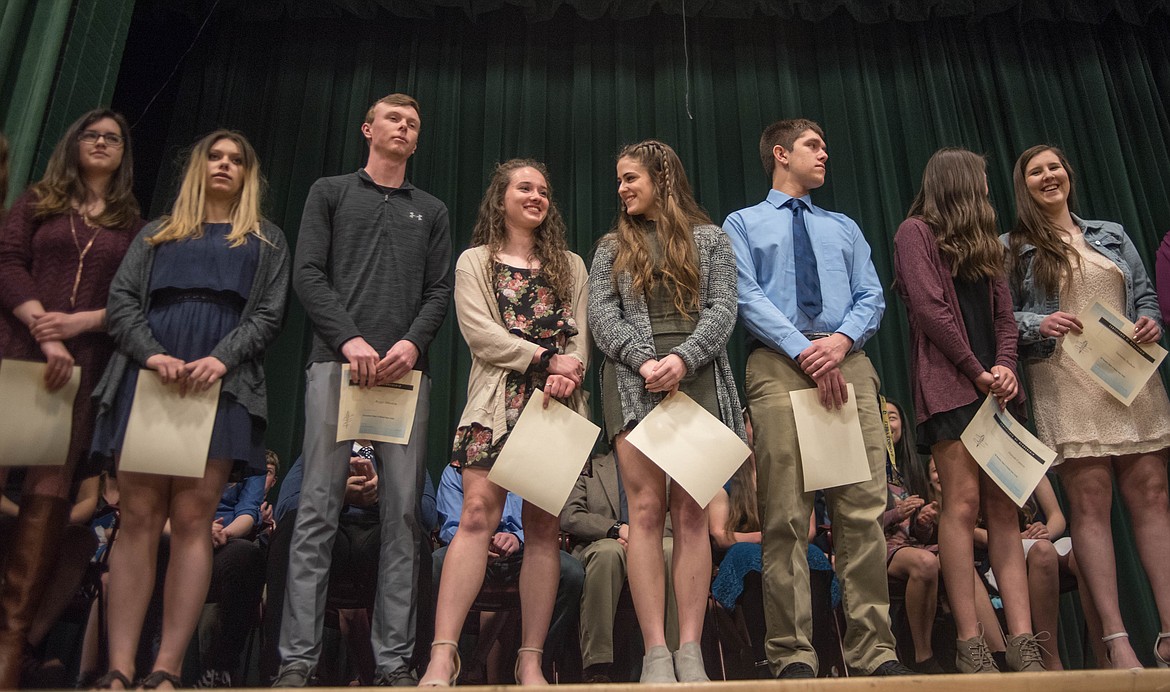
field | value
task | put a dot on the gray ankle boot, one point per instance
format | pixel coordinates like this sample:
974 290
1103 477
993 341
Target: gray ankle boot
688 664
657 666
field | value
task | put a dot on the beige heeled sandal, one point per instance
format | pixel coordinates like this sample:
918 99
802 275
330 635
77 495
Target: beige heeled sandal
454 674
1117 635
1162 663
523 649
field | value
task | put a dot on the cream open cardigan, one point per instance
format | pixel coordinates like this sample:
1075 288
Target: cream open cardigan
495 351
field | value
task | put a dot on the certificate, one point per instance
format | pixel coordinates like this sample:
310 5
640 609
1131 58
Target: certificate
1107 351
693 447
35 424
544 453
1006 451
167 433
832 450
384 413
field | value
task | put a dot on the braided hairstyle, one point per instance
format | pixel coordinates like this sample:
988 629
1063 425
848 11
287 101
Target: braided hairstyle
678 214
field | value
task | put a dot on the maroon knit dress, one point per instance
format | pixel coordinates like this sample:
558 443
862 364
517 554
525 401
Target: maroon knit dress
39 260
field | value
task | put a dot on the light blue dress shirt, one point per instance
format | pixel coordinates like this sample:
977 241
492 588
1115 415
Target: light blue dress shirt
449 502
850 289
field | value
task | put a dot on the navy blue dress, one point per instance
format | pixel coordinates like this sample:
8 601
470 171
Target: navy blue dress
198 289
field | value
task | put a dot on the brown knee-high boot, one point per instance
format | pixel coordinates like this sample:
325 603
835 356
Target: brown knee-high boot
32 554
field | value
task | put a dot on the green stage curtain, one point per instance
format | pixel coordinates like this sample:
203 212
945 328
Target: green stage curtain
572 91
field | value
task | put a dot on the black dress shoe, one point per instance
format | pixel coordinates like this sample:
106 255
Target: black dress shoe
894 667
796 670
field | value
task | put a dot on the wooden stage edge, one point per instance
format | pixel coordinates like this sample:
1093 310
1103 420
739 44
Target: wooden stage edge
1150 680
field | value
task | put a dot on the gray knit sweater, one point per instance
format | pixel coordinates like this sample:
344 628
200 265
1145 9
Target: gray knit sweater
620 323
241 350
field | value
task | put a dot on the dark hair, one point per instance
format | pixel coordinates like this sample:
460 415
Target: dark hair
1051 260
62 184
953 202
392 100
909 462
551 247
783 133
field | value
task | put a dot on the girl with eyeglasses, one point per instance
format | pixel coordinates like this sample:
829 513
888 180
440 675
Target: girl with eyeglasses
60 245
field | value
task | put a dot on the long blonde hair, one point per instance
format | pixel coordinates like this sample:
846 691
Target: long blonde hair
953 202
186 217
1052 264
550 248
678 214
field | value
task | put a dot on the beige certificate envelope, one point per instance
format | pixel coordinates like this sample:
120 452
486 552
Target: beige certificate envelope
35 424
384 413
545 453
832 451
1106 350
168 434
693 447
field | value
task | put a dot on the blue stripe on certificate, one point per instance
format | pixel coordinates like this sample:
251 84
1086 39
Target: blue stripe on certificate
1111 377
376 425
1005 476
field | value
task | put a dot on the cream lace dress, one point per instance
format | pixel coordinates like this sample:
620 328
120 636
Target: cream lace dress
1075 415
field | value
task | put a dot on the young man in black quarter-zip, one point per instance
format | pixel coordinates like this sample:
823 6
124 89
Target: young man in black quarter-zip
372 269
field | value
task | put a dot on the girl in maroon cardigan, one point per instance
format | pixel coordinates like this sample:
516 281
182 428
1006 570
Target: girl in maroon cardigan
60 245
950 273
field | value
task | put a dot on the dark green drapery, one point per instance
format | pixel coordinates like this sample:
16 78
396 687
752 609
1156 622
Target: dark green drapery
572 91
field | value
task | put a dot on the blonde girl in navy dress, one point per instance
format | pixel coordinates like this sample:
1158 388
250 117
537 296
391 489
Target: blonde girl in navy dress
199 297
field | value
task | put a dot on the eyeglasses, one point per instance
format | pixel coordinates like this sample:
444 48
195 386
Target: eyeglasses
92 137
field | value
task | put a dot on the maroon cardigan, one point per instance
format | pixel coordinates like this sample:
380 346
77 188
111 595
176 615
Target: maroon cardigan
942 365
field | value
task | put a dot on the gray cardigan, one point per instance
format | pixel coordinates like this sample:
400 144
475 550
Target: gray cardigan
620 324
242 350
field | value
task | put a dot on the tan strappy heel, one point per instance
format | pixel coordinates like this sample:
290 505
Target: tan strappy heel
516 668
454 674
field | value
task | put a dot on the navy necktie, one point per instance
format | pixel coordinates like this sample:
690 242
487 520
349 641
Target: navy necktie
808 283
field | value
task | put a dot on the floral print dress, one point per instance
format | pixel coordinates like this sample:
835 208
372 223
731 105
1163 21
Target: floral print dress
530 310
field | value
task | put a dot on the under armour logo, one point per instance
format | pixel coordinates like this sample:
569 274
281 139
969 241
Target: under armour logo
415 216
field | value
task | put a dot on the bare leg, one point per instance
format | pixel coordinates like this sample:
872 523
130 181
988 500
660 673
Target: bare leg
133 557
992 634
466 564
645 486
1088 485
919 568
1089 610
1142 479
1007 556
539 574
959 476
1044 597
192 509
691 563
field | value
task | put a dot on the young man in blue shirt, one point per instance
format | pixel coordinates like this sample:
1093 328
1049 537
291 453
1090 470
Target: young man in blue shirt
810 297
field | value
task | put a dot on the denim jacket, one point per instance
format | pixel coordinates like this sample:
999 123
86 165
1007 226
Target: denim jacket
1032 305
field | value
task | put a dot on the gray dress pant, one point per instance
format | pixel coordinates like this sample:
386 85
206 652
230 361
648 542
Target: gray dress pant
400 479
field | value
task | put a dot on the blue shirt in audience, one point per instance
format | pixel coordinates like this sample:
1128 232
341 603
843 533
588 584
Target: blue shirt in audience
450 506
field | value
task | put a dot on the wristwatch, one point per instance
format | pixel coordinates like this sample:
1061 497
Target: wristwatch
615 530
546 358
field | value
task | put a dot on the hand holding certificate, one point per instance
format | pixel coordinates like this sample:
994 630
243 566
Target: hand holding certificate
384 413
832 450
168 433
693 447
1006 451
35 424
1107 351
535 467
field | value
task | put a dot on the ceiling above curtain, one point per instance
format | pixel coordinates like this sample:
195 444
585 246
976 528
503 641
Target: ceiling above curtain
867 11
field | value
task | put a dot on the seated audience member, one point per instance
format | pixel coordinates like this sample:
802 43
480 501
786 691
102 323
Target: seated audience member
72 551
354 562
237 577
910 524
505 558
597 518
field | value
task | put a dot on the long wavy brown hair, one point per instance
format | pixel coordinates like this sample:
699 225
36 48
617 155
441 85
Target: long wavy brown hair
550 249
186 217
953 202
62 187
678 214
743 512
1051 264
